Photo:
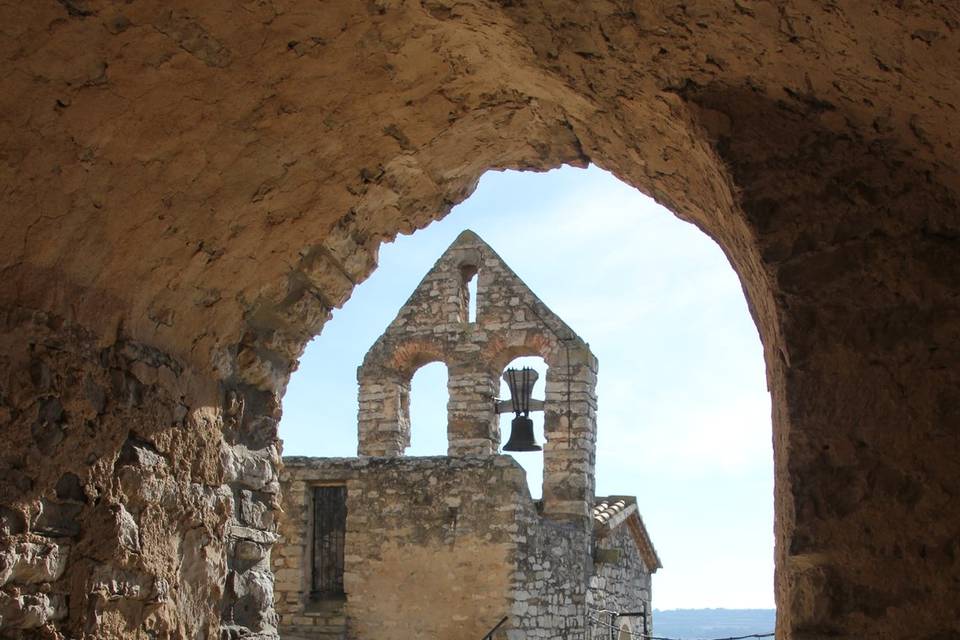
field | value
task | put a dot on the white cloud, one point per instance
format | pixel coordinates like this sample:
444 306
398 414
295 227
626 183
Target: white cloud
689 437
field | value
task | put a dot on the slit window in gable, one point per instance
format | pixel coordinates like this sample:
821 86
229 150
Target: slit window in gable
468 293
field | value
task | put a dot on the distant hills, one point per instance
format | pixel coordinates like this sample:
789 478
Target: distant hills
695 624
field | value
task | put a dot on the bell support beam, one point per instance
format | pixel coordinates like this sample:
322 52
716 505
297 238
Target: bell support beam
505 406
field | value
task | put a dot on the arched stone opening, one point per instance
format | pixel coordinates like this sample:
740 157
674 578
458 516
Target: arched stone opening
241 199
532 462
385 423
383 418
669 332
569 421
428 428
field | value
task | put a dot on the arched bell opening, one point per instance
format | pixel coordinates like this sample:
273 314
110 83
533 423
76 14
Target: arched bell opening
511 416
384 405
426 408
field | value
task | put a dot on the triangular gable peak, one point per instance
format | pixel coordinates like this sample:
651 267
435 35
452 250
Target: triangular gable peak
511 321
435 319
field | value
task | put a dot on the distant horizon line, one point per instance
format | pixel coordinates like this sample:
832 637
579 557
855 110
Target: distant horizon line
655 609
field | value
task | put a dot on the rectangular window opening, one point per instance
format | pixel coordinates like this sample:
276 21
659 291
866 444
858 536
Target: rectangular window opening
329 537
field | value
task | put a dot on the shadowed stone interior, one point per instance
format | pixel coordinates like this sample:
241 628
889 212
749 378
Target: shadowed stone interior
187 191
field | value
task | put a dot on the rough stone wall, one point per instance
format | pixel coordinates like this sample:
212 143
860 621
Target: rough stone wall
430 546
129 507
621 585
209 180
511 321
550 586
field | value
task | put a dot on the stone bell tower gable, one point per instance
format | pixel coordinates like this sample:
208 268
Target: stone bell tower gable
434 325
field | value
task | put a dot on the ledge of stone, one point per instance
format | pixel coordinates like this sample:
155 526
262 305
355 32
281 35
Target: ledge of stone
254 535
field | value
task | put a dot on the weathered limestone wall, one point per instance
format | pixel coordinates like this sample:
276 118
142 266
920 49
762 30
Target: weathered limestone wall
430 548
132 502
620 585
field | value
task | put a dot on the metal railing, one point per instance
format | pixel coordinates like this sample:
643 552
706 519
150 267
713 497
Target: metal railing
490 633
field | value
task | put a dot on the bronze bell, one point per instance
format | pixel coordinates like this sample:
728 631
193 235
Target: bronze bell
521 383
521 436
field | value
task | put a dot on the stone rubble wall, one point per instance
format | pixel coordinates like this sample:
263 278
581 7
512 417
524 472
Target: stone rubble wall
620 585
549 587
118 518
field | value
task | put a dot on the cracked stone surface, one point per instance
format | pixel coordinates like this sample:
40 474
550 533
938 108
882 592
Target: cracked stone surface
187 191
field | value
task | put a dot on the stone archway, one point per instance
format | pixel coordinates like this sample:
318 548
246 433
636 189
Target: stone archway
188 193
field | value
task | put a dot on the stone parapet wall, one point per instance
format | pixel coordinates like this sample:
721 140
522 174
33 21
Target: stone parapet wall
430 545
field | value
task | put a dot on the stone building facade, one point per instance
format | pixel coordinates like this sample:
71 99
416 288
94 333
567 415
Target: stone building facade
447 546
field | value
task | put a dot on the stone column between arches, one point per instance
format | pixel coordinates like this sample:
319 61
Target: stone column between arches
473 426
383 417
570 428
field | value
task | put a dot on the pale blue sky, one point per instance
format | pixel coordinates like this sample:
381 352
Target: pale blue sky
684 414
